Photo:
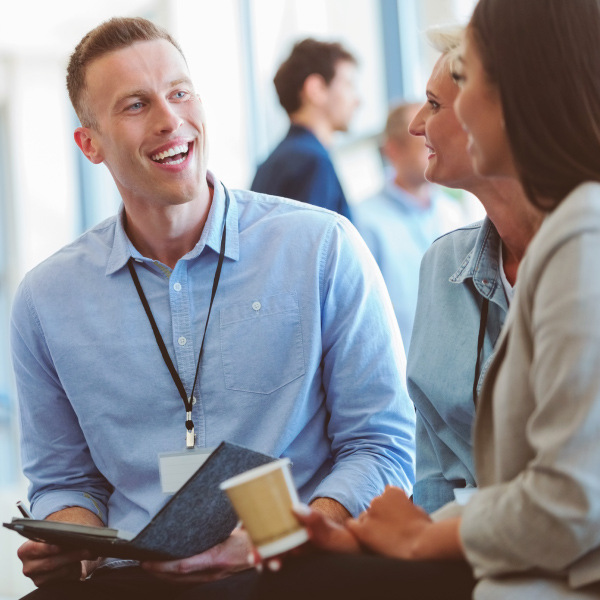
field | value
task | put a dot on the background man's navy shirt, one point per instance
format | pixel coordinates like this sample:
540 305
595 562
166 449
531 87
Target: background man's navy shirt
300 168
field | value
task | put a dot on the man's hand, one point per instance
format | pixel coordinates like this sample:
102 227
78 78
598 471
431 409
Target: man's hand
44 563
331 509
325 533
218 562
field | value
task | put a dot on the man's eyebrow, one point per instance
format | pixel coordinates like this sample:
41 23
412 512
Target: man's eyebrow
132 94
180 80
141 92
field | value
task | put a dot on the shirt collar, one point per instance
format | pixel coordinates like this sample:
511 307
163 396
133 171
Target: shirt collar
407 201
482 262
123 249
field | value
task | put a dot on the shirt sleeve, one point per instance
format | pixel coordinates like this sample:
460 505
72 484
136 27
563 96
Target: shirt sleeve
505 526
432 490
372 419
55 456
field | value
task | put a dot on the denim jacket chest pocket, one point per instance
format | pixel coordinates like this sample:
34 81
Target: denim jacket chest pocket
261 343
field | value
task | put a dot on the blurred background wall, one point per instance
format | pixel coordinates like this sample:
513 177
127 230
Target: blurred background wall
49 194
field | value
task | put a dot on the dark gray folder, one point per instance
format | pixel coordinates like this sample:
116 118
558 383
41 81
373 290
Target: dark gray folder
196 518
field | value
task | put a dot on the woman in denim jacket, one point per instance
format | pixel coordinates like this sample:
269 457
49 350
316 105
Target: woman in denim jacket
465 287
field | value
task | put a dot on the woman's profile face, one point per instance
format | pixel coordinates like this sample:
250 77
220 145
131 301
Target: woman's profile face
479 109
448 162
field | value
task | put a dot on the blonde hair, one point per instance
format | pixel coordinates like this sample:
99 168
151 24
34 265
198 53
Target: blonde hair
447 40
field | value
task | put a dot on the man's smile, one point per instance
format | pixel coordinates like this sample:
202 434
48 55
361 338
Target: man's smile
173 155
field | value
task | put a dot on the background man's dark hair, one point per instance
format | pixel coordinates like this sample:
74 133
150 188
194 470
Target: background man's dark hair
111 35
308 57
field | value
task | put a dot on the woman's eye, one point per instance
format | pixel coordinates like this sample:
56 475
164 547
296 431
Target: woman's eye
434 105
458 78
180 95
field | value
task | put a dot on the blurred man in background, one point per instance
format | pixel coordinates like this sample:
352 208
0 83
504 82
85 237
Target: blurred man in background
407 215
316 87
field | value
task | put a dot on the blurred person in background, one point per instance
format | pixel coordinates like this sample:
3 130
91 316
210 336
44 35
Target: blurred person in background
405 217
316 86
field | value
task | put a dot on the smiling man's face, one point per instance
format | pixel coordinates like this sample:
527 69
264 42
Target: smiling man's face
151 131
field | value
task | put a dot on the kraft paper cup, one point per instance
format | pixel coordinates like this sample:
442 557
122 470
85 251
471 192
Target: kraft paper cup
263 498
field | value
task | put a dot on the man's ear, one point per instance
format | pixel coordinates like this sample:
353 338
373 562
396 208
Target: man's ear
84 138
314 91
391 150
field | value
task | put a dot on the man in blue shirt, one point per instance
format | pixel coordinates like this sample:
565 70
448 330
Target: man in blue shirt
405 217
316 88
300 358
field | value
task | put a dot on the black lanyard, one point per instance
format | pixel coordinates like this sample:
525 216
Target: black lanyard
480 339
187 400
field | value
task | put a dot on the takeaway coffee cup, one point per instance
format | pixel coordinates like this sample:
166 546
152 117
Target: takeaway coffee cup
263 498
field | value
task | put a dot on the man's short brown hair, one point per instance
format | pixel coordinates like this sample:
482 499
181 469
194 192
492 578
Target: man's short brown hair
307 58
111 35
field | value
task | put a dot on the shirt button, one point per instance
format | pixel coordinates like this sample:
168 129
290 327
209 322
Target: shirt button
182 341
256 305
177 287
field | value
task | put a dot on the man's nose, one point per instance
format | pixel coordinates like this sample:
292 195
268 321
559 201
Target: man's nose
167 118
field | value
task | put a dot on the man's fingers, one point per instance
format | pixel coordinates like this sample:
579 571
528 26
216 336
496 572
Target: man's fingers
34 550
65 572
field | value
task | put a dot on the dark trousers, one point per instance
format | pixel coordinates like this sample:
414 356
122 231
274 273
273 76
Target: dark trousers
310 577
131 583
366 577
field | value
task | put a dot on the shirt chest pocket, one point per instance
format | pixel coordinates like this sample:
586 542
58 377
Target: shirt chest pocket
261 343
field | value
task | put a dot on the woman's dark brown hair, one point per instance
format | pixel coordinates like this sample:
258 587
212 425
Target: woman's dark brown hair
544 56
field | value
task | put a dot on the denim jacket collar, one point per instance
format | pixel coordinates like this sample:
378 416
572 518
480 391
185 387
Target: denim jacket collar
482 265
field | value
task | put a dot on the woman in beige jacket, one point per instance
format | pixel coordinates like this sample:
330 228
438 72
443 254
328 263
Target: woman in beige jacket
529 75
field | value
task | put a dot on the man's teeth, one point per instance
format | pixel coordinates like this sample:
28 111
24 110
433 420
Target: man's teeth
182 149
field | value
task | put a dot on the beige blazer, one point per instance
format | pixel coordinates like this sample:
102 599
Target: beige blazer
533 528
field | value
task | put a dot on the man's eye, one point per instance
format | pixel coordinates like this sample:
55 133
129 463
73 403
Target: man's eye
135 106
180 95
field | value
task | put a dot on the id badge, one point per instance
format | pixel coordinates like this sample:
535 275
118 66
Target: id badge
177 467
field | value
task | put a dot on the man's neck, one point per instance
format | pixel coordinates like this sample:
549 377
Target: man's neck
418 190
166 233
318 125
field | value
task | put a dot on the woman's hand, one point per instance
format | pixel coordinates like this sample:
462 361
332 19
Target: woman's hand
392 525
395 527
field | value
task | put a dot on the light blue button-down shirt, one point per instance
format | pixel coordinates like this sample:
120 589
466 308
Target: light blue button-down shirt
457 272
398 230
302 359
